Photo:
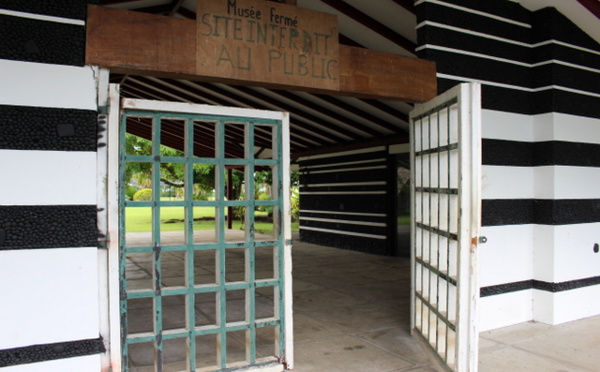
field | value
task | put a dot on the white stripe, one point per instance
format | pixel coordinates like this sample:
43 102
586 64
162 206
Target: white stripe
473 11
344 213
343 193
337 170
345 184
344 163
516 87
43 85
41 17
61 281
383 237
47 177
349 222
550 126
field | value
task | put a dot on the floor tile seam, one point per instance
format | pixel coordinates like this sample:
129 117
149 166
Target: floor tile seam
562 361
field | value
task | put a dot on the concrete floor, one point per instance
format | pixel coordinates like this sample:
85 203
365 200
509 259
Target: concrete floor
351 313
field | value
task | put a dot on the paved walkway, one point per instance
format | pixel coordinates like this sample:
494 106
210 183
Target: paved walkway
351 313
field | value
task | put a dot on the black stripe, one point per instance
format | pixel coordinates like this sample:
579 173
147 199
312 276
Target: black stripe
74 9
549 23
349 242
30 40
535 154
308 179
53 226
345 203
498 212
55 129
46 352
540 285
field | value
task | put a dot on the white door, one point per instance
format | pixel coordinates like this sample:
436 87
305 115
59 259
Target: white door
446 160
193 297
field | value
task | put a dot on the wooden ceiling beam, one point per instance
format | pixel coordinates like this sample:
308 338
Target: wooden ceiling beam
356 111
327 112
245 102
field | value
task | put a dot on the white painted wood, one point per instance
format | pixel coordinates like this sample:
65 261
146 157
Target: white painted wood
56 299
470 204
506 309
287 262
42 85
465 129
47 177
507 256
114 350
77 364
141 104
102 202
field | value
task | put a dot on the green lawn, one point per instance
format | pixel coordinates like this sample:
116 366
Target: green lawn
140 220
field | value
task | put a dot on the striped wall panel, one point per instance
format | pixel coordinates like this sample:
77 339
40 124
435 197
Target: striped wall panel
540 77
345 200
48 202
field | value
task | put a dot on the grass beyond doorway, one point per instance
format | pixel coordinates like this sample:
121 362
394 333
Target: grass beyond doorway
140 220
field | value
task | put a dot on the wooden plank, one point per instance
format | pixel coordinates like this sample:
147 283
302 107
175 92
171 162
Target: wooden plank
264 42
133 41
367 73
141 44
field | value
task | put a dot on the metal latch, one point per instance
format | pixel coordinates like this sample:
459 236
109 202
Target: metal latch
482 240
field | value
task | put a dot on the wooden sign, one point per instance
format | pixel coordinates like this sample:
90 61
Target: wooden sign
267 42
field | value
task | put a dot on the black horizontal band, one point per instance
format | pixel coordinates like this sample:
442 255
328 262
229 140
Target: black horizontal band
538 284
48 226
46 352
498 212
48 129
537 154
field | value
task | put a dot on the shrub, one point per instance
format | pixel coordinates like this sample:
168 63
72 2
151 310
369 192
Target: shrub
130 191
143 195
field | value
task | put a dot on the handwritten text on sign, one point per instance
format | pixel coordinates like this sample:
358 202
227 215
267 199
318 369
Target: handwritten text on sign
267 42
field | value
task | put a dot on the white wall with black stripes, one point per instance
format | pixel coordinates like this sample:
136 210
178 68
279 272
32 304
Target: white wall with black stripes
540 77
49 318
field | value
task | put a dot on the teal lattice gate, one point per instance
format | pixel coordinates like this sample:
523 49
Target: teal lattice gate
195 294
